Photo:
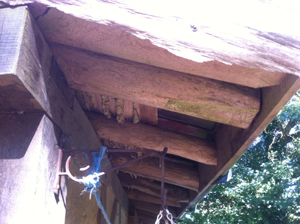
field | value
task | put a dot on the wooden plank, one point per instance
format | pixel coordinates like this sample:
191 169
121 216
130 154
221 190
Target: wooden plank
232 142
141 196
175 193
146 217
128 110
198 122
15 97
149 207
180 92
147 114
220 46
132 216
184 128
147 136
176 174
28 160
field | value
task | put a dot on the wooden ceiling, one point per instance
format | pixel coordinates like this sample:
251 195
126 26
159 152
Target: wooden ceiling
206 109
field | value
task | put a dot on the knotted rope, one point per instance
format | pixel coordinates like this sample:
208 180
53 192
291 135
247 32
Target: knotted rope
92 181
168 217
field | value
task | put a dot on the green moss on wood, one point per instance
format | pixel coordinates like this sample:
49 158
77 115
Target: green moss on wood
240 117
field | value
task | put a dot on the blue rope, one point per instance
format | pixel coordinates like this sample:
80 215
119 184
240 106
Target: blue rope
92 182
97 196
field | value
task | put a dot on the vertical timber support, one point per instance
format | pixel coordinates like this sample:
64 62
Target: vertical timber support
36 107
27 161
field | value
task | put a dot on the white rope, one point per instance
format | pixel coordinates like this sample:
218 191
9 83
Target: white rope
159 216
169 217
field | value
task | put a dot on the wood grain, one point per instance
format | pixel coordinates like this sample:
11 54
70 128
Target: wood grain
147 114
175 193
29 59
184 128
232 142
176 174
180 92
147 136
28 154
141 196
232 53
150 207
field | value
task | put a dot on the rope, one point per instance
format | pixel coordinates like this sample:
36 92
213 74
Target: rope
97 196
92 181
168 217
159 216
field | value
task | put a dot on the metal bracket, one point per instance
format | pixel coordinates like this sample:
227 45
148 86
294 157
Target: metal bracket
149 152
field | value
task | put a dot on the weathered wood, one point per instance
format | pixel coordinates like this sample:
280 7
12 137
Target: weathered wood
182 118
15 97
146 217
218 43
147 114
17 50
28 160
232 142
132 215
175 193
176 174
141 196
147 136
149 207
29 59
184 128
183 93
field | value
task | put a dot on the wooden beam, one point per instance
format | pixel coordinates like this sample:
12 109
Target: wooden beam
147 136
175 193
146 217
182 118
184 128
176 174
28 58
220 46
141 196
183 93
15 97
232 142
28 160
147 114
150 207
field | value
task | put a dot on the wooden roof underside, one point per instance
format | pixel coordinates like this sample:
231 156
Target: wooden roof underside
200 89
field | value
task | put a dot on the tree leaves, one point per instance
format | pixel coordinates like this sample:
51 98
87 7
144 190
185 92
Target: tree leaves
265 187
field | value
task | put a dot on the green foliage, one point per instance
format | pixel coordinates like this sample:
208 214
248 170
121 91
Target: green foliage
265 187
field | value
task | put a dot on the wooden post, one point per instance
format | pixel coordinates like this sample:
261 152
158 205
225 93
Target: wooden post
26 70
28 160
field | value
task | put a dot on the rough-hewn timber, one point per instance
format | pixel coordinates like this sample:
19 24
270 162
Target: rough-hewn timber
176 174
175 193
180 92
232 53
141 196
28 160
147 136
232 142
29 60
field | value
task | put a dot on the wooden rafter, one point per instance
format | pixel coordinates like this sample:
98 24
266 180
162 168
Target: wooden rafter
232 142
183 93
176 174
246 49
175 193
147 136
141 196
